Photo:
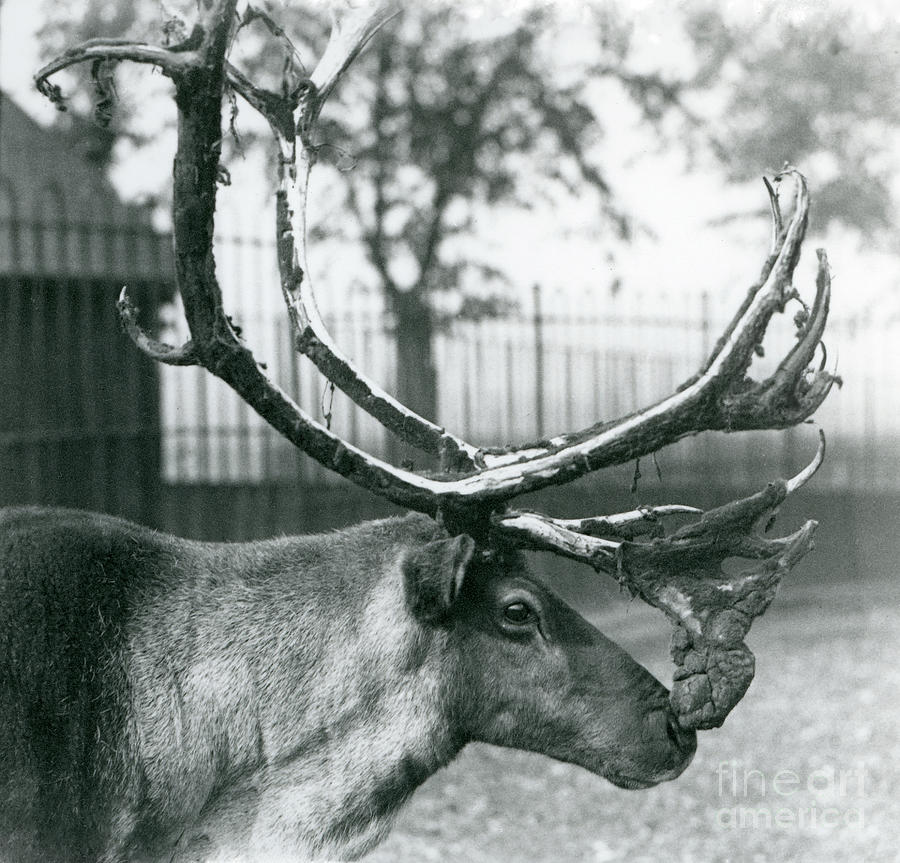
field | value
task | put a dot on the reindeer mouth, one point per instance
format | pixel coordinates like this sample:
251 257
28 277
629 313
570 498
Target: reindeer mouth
630 783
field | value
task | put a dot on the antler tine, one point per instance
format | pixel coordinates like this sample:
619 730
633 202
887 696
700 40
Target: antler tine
804 476
597 540
682 575
350 31
717 397
777 221
594 540
170 355
313 339
788 396
170 62
627 525
351 28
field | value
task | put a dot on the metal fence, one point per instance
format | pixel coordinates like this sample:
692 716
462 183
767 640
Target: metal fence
79 417
561 362
86 420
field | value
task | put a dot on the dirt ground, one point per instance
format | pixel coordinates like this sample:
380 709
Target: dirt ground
806 769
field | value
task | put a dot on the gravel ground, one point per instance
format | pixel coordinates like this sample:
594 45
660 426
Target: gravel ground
807 768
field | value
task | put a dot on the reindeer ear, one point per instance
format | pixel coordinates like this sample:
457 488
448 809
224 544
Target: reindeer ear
433 574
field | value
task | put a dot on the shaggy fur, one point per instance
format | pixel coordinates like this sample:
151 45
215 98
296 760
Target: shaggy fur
162 699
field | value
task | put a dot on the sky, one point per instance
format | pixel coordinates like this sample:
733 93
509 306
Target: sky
678 255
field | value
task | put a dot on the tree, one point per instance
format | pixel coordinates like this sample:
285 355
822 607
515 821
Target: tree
820 90
787 85
452 120
440 118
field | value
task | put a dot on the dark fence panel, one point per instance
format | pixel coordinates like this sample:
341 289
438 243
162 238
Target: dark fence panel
80 413
80 419
856 540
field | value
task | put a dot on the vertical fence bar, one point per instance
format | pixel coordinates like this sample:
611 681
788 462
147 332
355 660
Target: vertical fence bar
538 323
466 384
515 430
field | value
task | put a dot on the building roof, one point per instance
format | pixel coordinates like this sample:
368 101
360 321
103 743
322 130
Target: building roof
59 215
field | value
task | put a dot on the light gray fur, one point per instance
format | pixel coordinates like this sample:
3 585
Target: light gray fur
269 700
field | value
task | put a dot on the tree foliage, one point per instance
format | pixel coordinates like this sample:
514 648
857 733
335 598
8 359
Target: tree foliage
450 120
473 117
821 92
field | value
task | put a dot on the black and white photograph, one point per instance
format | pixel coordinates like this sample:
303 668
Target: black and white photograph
449 431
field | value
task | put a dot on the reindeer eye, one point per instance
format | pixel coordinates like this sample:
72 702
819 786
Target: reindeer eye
518 613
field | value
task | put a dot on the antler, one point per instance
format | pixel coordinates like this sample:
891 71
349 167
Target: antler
682 576
714 399
474 486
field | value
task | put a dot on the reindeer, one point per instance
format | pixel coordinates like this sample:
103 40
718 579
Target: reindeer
285 697
165 699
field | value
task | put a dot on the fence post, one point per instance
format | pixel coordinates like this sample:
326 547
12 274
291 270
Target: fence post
538 361
705 324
